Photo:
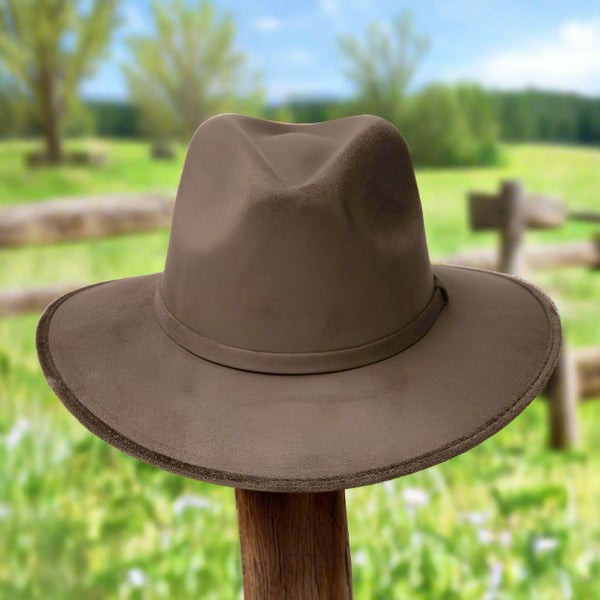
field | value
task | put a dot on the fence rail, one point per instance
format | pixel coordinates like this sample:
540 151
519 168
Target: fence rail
576 378
585 253
571 254
72 219
18 302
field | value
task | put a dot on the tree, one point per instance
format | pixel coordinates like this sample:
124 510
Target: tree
383 64
47 47
12 118
188 69
452 126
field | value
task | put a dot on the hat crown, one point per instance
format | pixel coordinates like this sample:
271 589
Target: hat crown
294 238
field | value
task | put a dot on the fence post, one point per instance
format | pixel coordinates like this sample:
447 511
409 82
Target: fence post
294 545
563 393
512 250
563 390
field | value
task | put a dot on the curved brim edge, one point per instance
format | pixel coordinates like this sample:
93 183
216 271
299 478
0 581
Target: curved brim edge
251 482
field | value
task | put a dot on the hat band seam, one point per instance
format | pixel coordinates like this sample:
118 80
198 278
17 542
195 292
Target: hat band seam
296 363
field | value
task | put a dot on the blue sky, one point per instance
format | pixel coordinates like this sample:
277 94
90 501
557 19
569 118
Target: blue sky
501 44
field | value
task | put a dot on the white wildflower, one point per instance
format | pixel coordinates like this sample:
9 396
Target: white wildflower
389 487
476 518
19 429
416 538
360 558
5 510
485 536
505 538
165 539
566 587
190 501
544 544
415 497
136 578
496 570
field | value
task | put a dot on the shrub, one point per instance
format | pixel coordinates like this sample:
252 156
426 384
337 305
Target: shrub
451 126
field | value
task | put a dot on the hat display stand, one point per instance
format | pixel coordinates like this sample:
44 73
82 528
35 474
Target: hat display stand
294 545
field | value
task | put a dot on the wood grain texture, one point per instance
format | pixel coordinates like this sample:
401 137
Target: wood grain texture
563 393
30 301
544 256
547 256
71 219
511 256
294 546
588 371
487 211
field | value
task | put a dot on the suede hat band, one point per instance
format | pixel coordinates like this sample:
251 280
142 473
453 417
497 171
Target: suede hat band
290 363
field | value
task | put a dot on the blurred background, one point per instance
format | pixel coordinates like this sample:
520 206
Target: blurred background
98 100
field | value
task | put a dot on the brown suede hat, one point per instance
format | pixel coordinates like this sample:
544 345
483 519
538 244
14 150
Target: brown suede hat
299 339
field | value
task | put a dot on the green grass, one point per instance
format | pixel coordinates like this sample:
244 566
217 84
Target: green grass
78 519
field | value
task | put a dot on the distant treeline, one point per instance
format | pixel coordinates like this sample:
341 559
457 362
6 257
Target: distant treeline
115 119
545 116
522 116
529 115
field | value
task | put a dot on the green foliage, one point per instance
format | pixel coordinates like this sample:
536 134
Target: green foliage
451 126
80 121
78 519
47 47
548 116
308 110
13 114
478 107
443 125
188 70
127 170
115 119
382 65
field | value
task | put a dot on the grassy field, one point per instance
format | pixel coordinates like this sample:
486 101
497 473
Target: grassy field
80 520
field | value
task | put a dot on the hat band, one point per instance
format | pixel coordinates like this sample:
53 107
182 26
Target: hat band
295 363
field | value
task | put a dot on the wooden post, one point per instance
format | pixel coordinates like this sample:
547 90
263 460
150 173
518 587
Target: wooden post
294 546
588 371
563 392
512 212
512 256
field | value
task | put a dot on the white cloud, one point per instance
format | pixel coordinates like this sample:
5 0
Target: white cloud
330 7
267 24
299 56
569 61
333 8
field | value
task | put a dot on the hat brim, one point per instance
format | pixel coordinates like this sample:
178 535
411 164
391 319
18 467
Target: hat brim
487 356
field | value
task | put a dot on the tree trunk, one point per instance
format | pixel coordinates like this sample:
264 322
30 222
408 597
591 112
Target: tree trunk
294 546
51 108
53 137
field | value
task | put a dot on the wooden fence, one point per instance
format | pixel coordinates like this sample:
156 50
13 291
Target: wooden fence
511 212
71 219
